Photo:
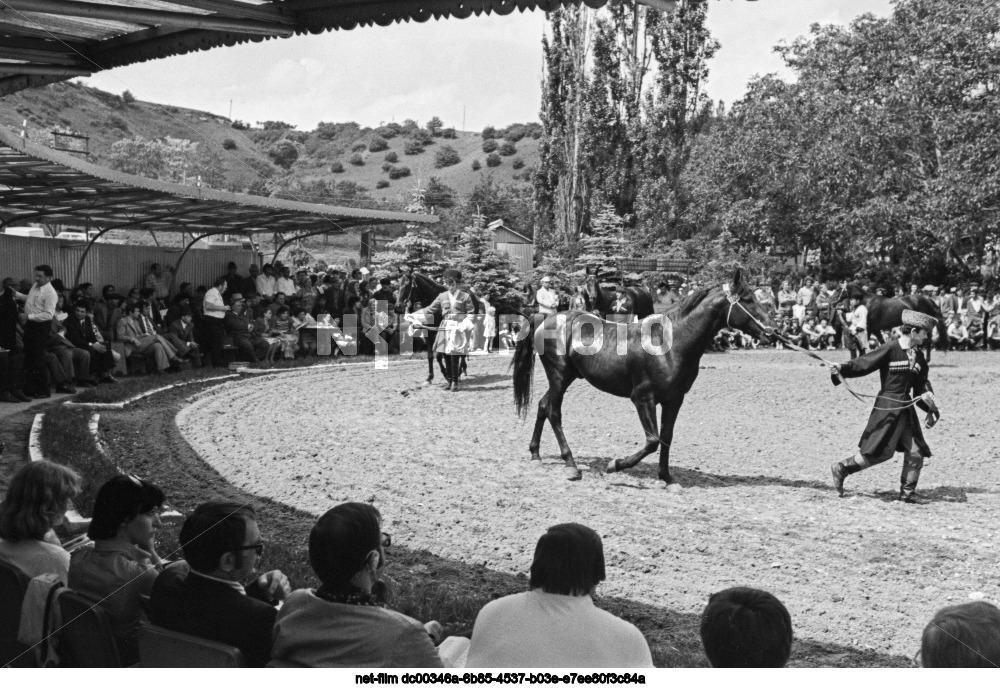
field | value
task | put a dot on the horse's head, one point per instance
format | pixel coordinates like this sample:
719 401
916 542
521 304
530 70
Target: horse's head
405 299
592 286
744 312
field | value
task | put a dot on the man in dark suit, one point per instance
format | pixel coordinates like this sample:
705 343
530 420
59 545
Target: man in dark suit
84 334
238 325
221 544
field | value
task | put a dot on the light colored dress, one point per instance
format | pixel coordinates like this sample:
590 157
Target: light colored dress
283 330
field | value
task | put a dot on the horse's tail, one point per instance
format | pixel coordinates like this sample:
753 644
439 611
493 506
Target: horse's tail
942 328
523 365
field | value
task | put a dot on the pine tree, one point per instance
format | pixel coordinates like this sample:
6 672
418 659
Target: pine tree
606 244
416 250
482 266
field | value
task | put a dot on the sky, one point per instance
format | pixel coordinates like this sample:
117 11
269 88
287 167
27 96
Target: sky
469 72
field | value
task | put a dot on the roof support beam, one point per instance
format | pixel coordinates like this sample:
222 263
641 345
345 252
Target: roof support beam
40 70
132 15
229 8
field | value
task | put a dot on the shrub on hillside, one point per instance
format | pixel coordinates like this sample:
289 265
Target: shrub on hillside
239 125
449 133
517 163
489 133
116 122
392 156
489 145
434 126
476 165
359 146
409 126
337 167
127 98
507 148
493 160
275 125
283 153
413 148
381 183
386 166
297 136
377 144
356 159
515 132
389 131
446 157
228 144
399 172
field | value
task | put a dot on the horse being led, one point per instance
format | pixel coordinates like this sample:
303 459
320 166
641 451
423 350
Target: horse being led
416 287
885 313
602 300
646 378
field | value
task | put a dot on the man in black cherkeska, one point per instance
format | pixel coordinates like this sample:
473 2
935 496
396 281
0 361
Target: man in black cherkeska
893 425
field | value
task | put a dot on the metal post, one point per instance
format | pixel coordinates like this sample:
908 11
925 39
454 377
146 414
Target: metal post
79 266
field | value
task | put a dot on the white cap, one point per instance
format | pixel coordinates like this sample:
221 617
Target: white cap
365 271
546 279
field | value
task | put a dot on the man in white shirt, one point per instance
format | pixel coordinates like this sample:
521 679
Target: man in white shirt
39 310
215 312
547 299
958 334
266 282
284 283
858 328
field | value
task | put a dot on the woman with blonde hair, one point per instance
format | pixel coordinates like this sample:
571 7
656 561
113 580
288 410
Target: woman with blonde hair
36 502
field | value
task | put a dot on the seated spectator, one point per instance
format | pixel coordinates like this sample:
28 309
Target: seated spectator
811 335
180 333
240 327
342 623
36 502
307 337
963 636
993 334
976 333
281 327
74 362
207 598
958 335
123 563
84 334
827 334
139 337
107 312
744 628
555 623
263 324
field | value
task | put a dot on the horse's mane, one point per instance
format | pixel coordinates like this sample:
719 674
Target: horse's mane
691 301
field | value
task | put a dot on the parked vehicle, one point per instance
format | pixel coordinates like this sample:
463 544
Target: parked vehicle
36 232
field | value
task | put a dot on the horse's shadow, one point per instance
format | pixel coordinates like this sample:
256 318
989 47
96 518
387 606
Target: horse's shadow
473 381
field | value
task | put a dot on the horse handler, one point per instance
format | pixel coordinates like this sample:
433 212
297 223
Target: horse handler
893 425
455 332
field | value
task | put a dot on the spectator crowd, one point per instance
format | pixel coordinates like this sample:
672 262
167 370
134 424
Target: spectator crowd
215 591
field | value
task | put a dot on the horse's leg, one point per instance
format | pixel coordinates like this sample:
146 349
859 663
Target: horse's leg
536 436
646 407
464 369
555 395
667 419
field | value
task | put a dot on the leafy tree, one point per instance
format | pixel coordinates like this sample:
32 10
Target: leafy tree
228 144
381 183
489 133
389 131
359 146
434 126
356 159
490 145
412 148
493 160
507 148
275 125
239 125
377 144
283 153
127 98
391 156
416 250
399 172
606 245
337 167
439 195
476 165
449 133
517 163
446 156
137 156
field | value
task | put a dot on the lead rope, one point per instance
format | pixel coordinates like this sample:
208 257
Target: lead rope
735 301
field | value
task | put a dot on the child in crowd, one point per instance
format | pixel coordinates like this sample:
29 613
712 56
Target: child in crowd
744 628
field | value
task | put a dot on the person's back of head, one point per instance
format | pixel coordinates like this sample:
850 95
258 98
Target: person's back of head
963 636
341 541
36 500
212 530
119 501
745 628
569 560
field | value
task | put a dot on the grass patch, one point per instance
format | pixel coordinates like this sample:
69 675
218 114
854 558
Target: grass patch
65 438
128 387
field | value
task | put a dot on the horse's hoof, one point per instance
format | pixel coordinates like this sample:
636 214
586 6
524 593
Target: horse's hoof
536 458
611 467
428 383
659 485
572 473
674 488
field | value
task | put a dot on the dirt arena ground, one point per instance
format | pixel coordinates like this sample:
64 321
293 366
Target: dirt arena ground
752 449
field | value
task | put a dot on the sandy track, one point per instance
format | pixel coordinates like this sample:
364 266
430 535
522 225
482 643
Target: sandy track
752 447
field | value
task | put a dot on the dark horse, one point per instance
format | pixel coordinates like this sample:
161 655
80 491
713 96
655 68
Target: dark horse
885 313
646 378
602 300
417 287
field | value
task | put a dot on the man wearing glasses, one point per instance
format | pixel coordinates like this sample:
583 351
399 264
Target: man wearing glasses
222 546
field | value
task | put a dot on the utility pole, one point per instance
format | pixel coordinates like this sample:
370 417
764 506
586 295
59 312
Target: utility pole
230 109
463 118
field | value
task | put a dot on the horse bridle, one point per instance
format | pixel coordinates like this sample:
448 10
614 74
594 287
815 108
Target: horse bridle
734 300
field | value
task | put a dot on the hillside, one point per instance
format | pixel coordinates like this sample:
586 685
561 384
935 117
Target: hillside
240 155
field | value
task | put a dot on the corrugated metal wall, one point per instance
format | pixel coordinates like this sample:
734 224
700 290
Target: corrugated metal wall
122 265
523 255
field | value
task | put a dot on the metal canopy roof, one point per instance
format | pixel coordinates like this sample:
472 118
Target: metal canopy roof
38 184
44 41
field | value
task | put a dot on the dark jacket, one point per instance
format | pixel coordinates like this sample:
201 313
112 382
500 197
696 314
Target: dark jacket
189 603
80 336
